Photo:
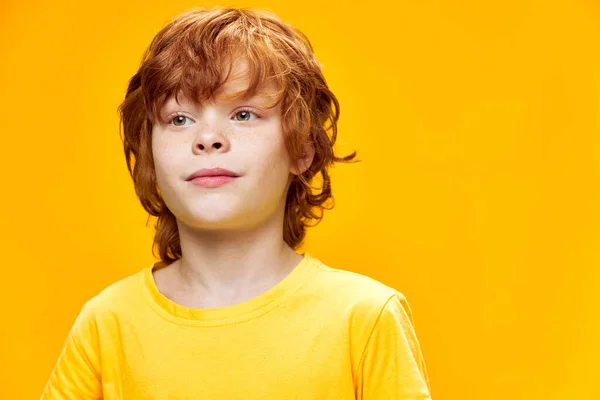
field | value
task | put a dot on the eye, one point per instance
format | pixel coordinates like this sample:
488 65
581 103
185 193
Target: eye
244 115
179 120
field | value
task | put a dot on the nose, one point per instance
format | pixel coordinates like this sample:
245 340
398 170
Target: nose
210 139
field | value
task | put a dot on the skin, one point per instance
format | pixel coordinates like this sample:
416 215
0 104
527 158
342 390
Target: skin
231 236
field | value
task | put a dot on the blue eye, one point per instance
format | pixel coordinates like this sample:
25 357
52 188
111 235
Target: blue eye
245 115
180 119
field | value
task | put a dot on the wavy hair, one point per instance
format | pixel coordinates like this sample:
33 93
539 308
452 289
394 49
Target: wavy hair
190 55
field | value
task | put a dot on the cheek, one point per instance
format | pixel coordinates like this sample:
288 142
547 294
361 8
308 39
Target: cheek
164 157
270 158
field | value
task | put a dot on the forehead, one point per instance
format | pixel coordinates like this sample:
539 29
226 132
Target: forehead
235 87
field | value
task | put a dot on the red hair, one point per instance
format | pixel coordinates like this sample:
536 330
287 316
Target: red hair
191 55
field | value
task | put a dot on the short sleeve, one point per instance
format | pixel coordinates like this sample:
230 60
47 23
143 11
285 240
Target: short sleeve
392 366
76 373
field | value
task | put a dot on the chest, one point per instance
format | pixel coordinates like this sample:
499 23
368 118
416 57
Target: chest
290 360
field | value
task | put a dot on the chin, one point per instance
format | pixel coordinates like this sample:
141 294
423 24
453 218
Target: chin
213 219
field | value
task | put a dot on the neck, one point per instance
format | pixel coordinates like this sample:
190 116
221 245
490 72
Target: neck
232 262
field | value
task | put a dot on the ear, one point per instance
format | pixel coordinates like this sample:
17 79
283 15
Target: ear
304 162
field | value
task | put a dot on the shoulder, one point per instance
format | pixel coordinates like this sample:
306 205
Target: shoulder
357 285
376 315
116 298
358 292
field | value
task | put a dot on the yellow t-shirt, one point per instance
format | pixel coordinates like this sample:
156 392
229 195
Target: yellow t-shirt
320 333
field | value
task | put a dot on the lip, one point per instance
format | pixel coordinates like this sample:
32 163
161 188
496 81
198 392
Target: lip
212 180
212 172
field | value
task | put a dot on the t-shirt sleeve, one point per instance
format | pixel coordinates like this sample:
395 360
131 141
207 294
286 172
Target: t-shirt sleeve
76 373
392 365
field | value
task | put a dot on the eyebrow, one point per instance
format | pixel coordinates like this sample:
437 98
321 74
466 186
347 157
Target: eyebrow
222 97
236 96
185 101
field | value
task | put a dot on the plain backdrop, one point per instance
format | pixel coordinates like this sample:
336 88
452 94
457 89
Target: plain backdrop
478 196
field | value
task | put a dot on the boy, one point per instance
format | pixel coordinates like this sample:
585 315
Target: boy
224 127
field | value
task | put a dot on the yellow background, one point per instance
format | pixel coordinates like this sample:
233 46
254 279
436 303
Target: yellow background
478 196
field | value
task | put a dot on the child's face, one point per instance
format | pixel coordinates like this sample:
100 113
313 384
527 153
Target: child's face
240 135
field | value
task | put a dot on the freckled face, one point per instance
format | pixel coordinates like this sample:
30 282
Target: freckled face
240 135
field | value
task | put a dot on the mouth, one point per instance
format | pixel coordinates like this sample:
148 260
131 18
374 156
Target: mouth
212 180
212 172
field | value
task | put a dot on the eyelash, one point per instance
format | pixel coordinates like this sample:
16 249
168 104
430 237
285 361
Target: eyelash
180 114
